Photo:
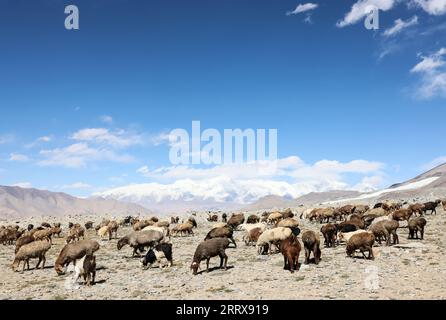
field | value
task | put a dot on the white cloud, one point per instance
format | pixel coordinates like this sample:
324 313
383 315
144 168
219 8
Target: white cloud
400 25
361 8
18 157
433 7
433 75
118 139
43 139
75 186
244 183
79 154
107 119
24 185
303 8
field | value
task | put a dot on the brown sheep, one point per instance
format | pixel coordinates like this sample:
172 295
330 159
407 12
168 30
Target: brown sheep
89 225
289 223
45 234
361 209
252 236
25 239
253 219
311 243
139 240
385 228
417 208
415 225
183 229
402 214
75 234
74 251
224 232
138 226
290 249
444 204
363 242
113 227
209 249
287 214
36 249
236 220
329 233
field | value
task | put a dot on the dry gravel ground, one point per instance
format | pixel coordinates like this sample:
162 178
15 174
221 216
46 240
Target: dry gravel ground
415 270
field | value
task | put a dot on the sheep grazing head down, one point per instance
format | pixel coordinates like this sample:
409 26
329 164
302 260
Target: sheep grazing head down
122 242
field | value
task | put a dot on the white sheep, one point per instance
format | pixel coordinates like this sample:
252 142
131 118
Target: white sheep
219 225
272 236
104 232
345 236
165 231
383 218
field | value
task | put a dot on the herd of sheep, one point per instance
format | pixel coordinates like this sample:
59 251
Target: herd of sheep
358 226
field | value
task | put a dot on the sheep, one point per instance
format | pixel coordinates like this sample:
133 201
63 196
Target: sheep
113 227
164 231
138 226
236 220
104 223
379 212
357 221
253 219
103 232
209 249
287 214
288 222
384 229
46 225
417 208
402 214
345 236
290 249
154 219
76 232
363 242
432 206
329 233
270 237
225 232
249 227
346 226
212 218
162 224
25 239
36 249
86 268
224 217
311 243
383 218
56 230
346 210
361 209
326 214
415 225
444 205
184 228
252 236
74 251
45 234
162 251
138 240
193 222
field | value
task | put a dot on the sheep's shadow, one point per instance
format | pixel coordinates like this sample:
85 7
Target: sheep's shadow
214 269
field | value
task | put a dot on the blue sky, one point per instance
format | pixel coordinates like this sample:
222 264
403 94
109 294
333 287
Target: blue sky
137 69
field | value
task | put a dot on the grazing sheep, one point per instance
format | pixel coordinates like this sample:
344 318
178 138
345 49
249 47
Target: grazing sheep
209 249
253 219
274 217
249 227
236 220
113 227
417 208
384 229
346 210
311 243
161 252
345 236
74 251
431 206
86 268
287 214
347 226
361 209
163 230
36 249
225 232
325 214
76 232
45 234
290 249
415 225
270 237
139 240
162 224
402 214
140 225
329 233
288 222
104 223
25 239
104 232
362 242
252 236
183 229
